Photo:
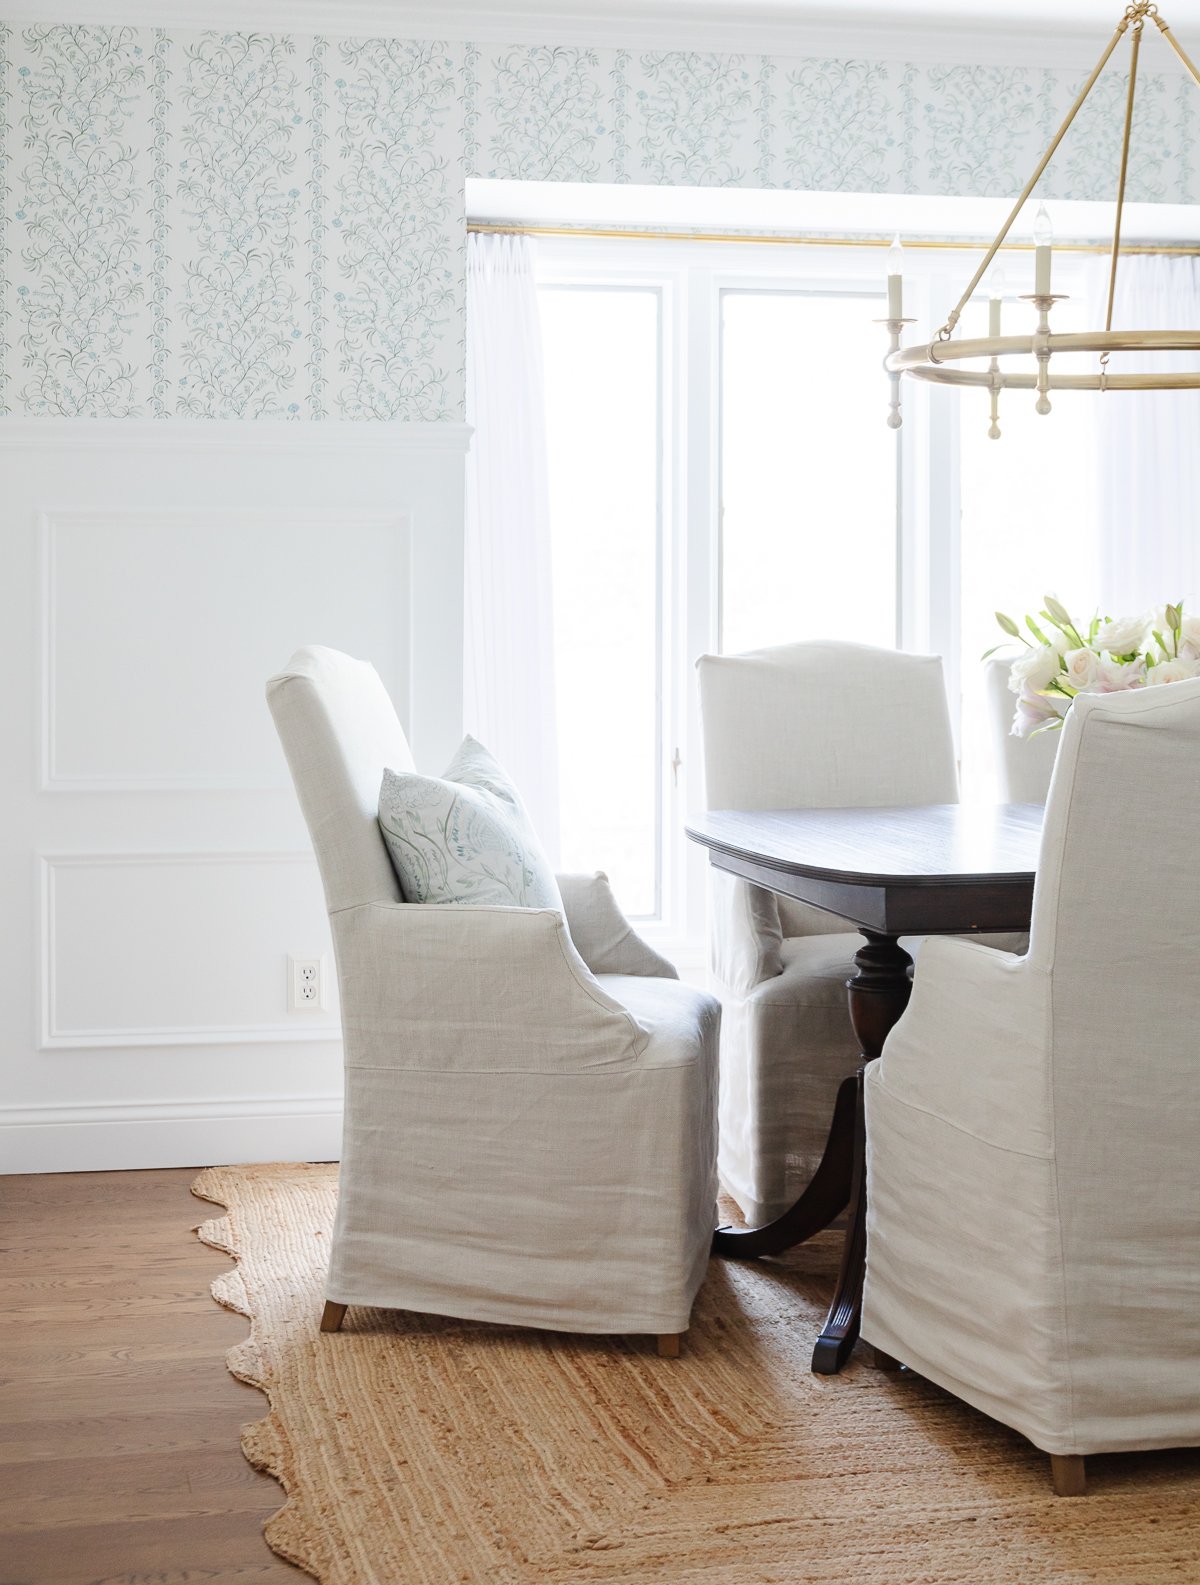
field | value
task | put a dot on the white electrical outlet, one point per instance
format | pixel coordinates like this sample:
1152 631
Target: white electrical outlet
306 984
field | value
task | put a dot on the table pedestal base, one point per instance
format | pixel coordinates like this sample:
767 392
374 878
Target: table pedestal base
878 994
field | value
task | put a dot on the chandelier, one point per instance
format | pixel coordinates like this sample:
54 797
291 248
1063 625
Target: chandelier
941 360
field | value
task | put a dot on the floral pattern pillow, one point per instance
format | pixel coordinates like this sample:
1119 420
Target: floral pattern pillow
464 837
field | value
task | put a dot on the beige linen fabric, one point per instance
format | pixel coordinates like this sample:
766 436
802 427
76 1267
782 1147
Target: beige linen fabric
604 938
804 726
1034 1193
524 1141
1023 765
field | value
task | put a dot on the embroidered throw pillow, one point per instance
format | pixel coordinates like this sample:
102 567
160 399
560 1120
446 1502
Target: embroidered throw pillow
464 837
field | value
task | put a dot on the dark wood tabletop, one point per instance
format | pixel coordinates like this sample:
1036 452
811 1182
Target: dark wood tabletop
897 870
934 869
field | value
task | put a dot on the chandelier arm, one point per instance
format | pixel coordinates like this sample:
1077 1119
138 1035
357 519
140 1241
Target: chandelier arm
1116 240
944 355
981 379
1165 30
956 312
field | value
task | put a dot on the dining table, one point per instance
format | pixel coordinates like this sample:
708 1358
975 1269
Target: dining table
934 869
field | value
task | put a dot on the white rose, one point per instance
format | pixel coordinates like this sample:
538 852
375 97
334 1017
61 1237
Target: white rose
1114 676
1036 668
1122 636
1034 710
1171 671
1082 668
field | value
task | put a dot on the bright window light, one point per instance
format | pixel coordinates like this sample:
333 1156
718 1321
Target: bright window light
1028 514
808 471
603 420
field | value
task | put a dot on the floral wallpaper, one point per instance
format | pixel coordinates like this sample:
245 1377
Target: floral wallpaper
232 225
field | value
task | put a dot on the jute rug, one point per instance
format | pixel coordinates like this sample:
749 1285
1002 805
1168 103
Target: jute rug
418 1451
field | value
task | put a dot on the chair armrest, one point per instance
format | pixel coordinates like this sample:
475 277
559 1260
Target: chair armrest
973 1045
463 988
602 935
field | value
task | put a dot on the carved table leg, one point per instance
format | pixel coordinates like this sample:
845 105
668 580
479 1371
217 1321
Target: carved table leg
878 994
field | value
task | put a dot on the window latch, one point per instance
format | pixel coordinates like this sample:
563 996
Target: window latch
676 762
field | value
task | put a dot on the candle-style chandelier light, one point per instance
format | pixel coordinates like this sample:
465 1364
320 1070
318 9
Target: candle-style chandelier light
940 361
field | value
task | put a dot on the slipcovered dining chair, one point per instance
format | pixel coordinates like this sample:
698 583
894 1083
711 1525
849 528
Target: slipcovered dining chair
1033 1232
1021 766
525 1140
803 726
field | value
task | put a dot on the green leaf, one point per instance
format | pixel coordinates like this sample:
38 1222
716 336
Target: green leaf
1009 626
1036 630
988 653
1162 644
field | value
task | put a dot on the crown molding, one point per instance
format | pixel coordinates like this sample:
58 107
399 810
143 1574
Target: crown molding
797 30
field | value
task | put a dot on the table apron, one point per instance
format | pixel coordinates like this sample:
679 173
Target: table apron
898 907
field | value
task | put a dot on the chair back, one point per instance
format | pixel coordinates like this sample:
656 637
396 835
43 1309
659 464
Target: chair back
1115 929
824 725
340 731
1022 766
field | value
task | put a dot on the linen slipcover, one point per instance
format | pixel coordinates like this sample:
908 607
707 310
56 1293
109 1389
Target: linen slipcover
803 726
1022 766
524 1141
1033 1233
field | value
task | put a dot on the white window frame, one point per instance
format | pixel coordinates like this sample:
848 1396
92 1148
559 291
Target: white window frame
692 277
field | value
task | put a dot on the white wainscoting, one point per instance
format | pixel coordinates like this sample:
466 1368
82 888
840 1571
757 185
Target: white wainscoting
223 599
155 874
166 977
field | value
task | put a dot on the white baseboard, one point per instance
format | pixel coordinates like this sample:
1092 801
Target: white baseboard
170 1134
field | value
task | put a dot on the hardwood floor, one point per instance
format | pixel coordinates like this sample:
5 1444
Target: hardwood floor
119 1456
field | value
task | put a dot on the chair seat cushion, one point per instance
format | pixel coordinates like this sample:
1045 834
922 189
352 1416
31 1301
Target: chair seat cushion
681 1020
815 971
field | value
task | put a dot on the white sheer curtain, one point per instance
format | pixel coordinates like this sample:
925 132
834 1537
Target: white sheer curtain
509 659
1149 443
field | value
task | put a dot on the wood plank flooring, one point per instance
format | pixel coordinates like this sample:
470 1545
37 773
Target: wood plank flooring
119 1456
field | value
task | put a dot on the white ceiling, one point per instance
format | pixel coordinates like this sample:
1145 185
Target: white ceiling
1036 32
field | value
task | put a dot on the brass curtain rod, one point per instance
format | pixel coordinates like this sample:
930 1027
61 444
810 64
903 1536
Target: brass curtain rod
1183 249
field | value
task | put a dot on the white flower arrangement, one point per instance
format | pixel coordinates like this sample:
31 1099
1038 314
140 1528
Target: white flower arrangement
1105 655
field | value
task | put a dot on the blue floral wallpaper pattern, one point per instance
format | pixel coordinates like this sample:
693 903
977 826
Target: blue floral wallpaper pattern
231 225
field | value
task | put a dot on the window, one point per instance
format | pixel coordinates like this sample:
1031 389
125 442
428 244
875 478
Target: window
722 476
808 471
603 383
1028 515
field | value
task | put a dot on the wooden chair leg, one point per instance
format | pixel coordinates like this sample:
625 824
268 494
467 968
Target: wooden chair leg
1068 1473
885 1361
668 1345
332 1316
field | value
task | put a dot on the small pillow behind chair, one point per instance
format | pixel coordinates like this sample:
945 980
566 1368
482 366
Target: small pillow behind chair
602 935
464 837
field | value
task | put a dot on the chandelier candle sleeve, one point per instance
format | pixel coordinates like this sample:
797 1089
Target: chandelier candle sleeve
995 302
1043 236
896 280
